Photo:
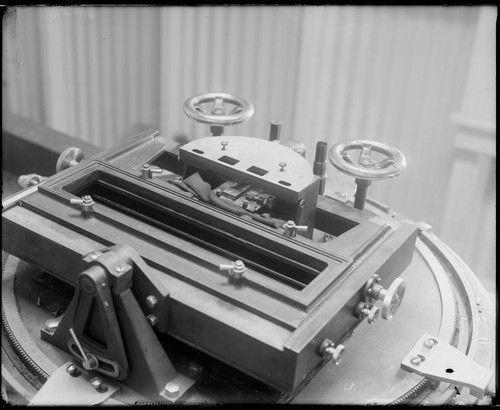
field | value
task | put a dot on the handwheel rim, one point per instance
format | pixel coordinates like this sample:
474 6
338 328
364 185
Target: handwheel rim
245 113
358 171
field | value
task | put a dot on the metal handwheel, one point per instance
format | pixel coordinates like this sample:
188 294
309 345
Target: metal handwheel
218 114
366 169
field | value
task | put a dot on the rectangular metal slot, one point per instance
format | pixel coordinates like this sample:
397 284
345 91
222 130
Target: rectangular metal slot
257 170
228 160
295 273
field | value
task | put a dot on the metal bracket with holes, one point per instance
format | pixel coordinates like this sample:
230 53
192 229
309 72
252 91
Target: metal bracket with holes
72 384
435 359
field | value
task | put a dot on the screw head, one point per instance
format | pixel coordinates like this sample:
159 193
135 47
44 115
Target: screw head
97 383
72 369
172 389
430 343
416 360
120 269
93 256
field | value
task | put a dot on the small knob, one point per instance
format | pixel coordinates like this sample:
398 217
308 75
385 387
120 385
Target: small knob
24 181
329 351
69 158
369 311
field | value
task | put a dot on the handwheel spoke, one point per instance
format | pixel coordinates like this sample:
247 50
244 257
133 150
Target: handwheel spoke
384 163
365 157
236 110
347 158
218 107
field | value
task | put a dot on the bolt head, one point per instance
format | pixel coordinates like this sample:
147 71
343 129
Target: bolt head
51 325
120 268
151 301
172 389
152 319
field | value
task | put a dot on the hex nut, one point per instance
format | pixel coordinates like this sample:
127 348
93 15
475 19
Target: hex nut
172 389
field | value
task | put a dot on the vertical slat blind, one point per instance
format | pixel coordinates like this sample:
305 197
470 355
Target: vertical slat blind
392 74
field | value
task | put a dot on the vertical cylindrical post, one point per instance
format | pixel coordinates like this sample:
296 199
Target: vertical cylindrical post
361 191
319 166
274 131
216 130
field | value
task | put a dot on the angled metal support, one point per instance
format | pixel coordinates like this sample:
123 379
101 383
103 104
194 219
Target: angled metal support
436 359
105 326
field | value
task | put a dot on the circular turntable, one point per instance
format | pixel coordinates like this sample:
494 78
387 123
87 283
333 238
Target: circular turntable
443 298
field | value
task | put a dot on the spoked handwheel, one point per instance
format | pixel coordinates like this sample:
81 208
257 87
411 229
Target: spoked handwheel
366 169
226 109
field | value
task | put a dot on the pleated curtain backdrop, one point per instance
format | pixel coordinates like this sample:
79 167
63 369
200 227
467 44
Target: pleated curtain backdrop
391 74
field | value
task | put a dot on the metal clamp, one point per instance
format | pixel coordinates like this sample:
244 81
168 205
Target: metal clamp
436 359
147 171
86 204
291 229
235 269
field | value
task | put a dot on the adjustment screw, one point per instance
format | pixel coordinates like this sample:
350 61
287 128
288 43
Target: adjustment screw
282 165
38 301
172 390
224 144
